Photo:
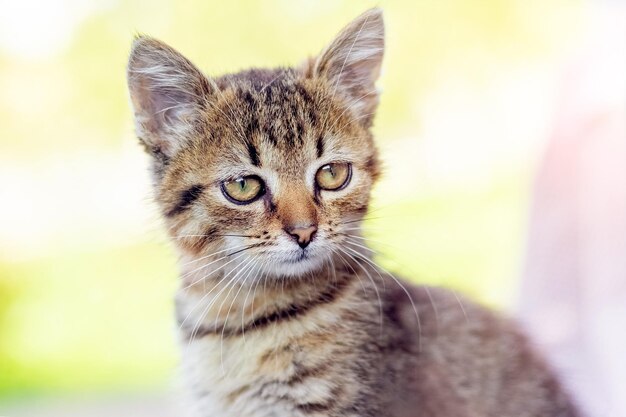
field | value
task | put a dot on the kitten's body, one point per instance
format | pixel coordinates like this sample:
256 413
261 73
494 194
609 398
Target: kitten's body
275 327
341 353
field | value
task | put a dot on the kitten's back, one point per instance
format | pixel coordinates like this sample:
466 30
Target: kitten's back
471 361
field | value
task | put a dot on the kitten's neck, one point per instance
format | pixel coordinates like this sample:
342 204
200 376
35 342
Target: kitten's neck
223 307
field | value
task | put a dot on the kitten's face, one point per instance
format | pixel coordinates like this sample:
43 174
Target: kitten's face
270 168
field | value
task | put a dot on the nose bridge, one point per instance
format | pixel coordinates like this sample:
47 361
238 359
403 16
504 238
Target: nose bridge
296 208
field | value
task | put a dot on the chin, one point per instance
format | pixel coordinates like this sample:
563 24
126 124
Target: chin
297 264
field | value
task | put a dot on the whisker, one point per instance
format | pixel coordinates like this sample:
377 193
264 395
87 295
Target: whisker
254 245
210 291
432 303
241 285
206 265
202 299
196 326
245 302
233 281
212 272
467 320
353 271
428 293
380 302
365 228
367 239
397 281
212 254
214 235
360 220
359 245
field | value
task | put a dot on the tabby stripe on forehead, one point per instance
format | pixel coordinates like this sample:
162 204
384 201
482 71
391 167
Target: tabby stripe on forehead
185 200
320 146
253 153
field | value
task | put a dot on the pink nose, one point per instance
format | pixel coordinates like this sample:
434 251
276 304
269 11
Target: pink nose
302 235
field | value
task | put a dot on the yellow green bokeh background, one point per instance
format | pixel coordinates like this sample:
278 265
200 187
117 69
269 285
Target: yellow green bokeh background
86 274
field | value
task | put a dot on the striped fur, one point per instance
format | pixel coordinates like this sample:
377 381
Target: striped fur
268 328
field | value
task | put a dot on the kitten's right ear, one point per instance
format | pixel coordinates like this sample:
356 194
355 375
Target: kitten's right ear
167 92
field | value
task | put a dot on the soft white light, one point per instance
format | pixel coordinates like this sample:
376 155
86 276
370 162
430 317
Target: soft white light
35 29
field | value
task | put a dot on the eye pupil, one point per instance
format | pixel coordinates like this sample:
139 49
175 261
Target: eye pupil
333 176
243 190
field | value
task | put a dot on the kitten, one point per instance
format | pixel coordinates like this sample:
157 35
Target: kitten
263 178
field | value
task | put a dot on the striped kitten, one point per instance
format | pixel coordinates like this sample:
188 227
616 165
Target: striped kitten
263 178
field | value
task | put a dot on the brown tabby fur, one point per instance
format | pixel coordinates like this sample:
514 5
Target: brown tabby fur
270 329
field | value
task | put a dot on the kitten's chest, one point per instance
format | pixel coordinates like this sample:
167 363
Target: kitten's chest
263 375
315 359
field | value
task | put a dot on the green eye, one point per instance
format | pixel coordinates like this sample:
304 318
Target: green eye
243 190
333 176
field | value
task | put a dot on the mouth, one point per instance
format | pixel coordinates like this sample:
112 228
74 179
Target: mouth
297 263
303 255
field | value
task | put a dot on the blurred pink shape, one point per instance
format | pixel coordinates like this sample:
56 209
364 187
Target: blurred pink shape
574 284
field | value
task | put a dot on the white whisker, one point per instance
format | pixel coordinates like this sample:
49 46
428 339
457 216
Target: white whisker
399 283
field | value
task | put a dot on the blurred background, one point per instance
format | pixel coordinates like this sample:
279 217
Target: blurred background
502 129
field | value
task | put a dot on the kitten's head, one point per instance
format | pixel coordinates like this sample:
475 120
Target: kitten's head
271 168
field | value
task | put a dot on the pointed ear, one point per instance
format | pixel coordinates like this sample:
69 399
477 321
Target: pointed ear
352 61
167 93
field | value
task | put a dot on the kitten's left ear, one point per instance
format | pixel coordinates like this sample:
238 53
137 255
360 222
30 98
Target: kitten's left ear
352 61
